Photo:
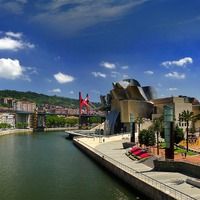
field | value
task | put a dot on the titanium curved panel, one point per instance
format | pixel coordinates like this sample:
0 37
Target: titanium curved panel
150 92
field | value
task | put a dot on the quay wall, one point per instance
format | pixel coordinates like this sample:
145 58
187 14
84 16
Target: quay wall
146 189
13 131
30 130
176 166
60 129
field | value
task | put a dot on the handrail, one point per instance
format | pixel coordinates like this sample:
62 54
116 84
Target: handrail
155 183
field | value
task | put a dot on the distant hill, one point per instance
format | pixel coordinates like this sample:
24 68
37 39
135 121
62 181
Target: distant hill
40 99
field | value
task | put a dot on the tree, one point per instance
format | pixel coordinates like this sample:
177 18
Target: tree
142 136
21 125
147 137
158 128
71 121
178 134
139 121
5 125
55 121
95 120
186 116
151 138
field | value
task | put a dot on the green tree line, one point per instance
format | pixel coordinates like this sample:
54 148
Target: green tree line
40 99
56 121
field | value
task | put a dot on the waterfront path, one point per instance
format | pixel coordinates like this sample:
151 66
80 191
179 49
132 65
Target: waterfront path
169 182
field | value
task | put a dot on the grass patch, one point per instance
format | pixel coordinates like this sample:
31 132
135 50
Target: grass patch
178 149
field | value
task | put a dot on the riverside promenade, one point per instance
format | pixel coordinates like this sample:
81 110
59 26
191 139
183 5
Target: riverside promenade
109 153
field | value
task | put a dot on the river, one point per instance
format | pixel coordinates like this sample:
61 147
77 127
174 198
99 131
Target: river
46 166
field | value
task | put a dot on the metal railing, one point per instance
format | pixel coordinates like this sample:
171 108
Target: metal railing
150 181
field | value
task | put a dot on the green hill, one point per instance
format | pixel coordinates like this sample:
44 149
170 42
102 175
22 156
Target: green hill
40 99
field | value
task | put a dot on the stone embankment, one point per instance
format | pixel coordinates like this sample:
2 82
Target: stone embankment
30 130
14 131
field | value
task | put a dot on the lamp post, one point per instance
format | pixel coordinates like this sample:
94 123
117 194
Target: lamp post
169 131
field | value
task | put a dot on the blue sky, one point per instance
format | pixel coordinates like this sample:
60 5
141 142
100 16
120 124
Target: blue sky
61 47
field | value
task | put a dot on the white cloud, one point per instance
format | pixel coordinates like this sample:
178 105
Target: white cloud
63 78
10 69
56 90
98 74
14 44
108 65
183 62
30 70
149 72
173 89
71 92
14 35
125 76
115 74
81 14
125 67
15 7
175 75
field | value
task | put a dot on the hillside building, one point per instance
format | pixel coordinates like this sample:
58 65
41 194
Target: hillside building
7 118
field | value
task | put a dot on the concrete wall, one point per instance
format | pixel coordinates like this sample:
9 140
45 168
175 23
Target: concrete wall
144 188
175 166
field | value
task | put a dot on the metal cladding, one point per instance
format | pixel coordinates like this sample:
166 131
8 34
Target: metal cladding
127 97
131 89
150 92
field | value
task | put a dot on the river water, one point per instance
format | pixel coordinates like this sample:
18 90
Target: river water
46 166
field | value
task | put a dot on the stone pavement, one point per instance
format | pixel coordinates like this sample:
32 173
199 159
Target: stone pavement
112 147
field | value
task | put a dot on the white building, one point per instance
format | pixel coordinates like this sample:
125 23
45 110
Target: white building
7 118
24 106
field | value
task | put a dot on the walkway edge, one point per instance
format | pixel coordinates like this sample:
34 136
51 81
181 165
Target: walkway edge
146 189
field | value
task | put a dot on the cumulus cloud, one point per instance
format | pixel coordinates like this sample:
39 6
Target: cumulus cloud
108 65
13 42
56 90
63 78
183 62
149 72
14 35
10 69
175 75
98 74
173 89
